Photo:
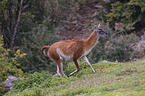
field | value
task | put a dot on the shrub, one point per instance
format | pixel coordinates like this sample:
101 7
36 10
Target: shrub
34 80
120 48
140 47
8 65
125 15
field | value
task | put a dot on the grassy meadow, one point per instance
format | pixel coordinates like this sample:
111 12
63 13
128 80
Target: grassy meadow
110 79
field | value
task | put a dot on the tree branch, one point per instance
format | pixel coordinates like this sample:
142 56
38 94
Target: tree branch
7 40
16 26
27 5
5 36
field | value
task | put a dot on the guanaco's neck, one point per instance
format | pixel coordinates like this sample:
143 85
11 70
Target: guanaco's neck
92 40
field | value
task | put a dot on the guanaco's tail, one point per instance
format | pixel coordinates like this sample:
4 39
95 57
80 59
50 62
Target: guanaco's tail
43 50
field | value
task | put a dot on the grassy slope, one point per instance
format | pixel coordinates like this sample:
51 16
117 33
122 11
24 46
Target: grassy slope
111 79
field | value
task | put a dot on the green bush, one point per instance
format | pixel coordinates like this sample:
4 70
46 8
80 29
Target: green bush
120 48
140 46
8 65
124 15
34 80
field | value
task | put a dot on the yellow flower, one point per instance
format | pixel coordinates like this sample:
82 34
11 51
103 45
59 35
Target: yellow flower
22 55
18 51
18 64
3 71
3 58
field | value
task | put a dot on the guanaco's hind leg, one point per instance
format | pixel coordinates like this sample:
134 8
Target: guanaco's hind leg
86 59
60 69
57 72
58 60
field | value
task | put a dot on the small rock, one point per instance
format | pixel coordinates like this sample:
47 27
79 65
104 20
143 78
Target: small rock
8 84
104 61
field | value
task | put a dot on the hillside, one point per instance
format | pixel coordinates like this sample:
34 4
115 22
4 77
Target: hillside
27 25
110 79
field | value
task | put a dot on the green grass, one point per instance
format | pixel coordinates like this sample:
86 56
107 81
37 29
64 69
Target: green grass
111 79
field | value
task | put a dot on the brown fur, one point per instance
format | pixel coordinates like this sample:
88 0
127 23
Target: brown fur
43 48
74 49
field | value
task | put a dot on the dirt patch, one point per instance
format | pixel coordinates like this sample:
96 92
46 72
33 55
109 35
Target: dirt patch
76 26
74 34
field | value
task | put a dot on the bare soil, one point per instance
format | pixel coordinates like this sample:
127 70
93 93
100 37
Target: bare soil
77 28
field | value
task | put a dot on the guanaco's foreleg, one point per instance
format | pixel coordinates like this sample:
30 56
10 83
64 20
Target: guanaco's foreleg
77 67
86 59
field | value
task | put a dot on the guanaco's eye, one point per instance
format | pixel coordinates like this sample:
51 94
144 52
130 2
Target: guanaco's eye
102 32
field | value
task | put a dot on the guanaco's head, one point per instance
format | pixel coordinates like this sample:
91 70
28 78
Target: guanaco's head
100 32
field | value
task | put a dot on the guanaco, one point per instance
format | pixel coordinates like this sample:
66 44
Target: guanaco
73 50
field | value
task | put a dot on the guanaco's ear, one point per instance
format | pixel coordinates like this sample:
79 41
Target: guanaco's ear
99 26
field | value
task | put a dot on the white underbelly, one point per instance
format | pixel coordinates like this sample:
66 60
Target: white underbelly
86 52
61 54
